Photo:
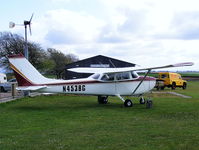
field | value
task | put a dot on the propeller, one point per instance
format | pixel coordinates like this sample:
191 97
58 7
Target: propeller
29 23
25 24
12 24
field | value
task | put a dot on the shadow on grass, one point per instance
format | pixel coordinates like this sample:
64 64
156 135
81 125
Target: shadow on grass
78 107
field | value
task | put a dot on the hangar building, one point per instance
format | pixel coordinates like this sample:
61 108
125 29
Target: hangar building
98 61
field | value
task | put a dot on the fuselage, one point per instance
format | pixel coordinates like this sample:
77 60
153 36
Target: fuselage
101 83
101 86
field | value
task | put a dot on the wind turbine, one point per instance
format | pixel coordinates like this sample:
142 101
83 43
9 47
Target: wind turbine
25 24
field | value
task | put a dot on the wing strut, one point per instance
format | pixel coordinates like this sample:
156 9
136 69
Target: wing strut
141 81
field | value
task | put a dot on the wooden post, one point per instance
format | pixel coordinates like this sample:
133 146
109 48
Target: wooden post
13 89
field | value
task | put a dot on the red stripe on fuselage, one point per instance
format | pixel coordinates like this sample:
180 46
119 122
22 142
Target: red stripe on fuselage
93 81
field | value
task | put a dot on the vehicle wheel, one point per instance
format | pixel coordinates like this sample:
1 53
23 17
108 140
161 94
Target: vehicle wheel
102 99
149 104
128 103
2 89
184 86
142 100
162 88
173 86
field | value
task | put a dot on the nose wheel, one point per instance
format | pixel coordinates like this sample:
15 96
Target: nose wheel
142 100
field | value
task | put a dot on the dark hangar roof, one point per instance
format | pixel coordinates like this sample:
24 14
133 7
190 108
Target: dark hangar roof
100 61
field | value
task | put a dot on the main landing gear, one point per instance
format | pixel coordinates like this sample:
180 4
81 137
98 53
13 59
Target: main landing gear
129 103
102 99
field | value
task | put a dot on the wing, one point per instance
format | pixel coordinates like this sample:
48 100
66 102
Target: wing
114 70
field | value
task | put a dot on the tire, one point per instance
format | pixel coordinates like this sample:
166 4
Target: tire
184 86
142 100
173 86
149 104
2 89
102 99
162 88
128 103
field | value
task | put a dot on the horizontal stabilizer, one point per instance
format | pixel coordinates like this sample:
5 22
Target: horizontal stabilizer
31 88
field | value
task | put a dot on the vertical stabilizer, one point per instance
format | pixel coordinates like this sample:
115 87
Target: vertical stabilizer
25 72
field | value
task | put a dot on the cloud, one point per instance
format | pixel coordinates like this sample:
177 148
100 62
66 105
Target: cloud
62 37
134 21
67 27
109 34
186 25
140 32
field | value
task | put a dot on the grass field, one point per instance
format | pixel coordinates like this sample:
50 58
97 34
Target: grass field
78 122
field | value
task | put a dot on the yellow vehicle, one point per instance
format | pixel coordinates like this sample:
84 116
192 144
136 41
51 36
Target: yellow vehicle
168 79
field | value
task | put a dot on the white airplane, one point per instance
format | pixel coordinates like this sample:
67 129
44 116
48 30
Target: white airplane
103 83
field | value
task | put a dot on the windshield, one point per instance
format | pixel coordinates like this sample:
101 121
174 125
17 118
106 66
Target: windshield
134 75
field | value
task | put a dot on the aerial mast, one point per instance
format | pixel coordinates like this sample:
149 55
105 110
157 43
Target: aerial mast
25 24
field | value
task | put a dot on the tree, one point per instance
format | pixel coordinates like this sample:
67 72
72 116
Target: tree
51 60
14 44
60 60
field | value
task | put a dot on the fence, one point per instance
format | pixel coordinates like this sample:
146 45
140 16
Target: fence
10 95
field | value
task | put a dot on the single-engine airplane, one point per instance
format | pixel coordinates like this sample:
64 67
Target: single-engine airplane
103 82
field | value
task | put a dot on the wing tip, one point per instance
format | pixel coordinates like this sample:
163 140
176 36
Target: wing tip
183 64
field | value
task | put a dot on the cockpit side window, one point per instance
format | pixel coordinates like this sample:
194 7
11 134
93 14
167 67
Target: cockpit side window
125 75
108 77
122 76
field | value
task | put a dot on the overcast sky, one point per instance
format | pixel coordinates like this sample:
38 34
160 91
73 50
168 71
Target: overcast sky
145 32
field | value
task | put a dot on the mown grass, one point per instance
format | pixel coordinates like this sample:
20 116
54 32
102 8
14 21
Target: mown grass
78 122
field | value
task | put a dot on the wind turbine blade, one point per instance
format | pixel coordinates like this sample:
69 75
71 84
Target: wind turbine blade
30 29
31 17
11 25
